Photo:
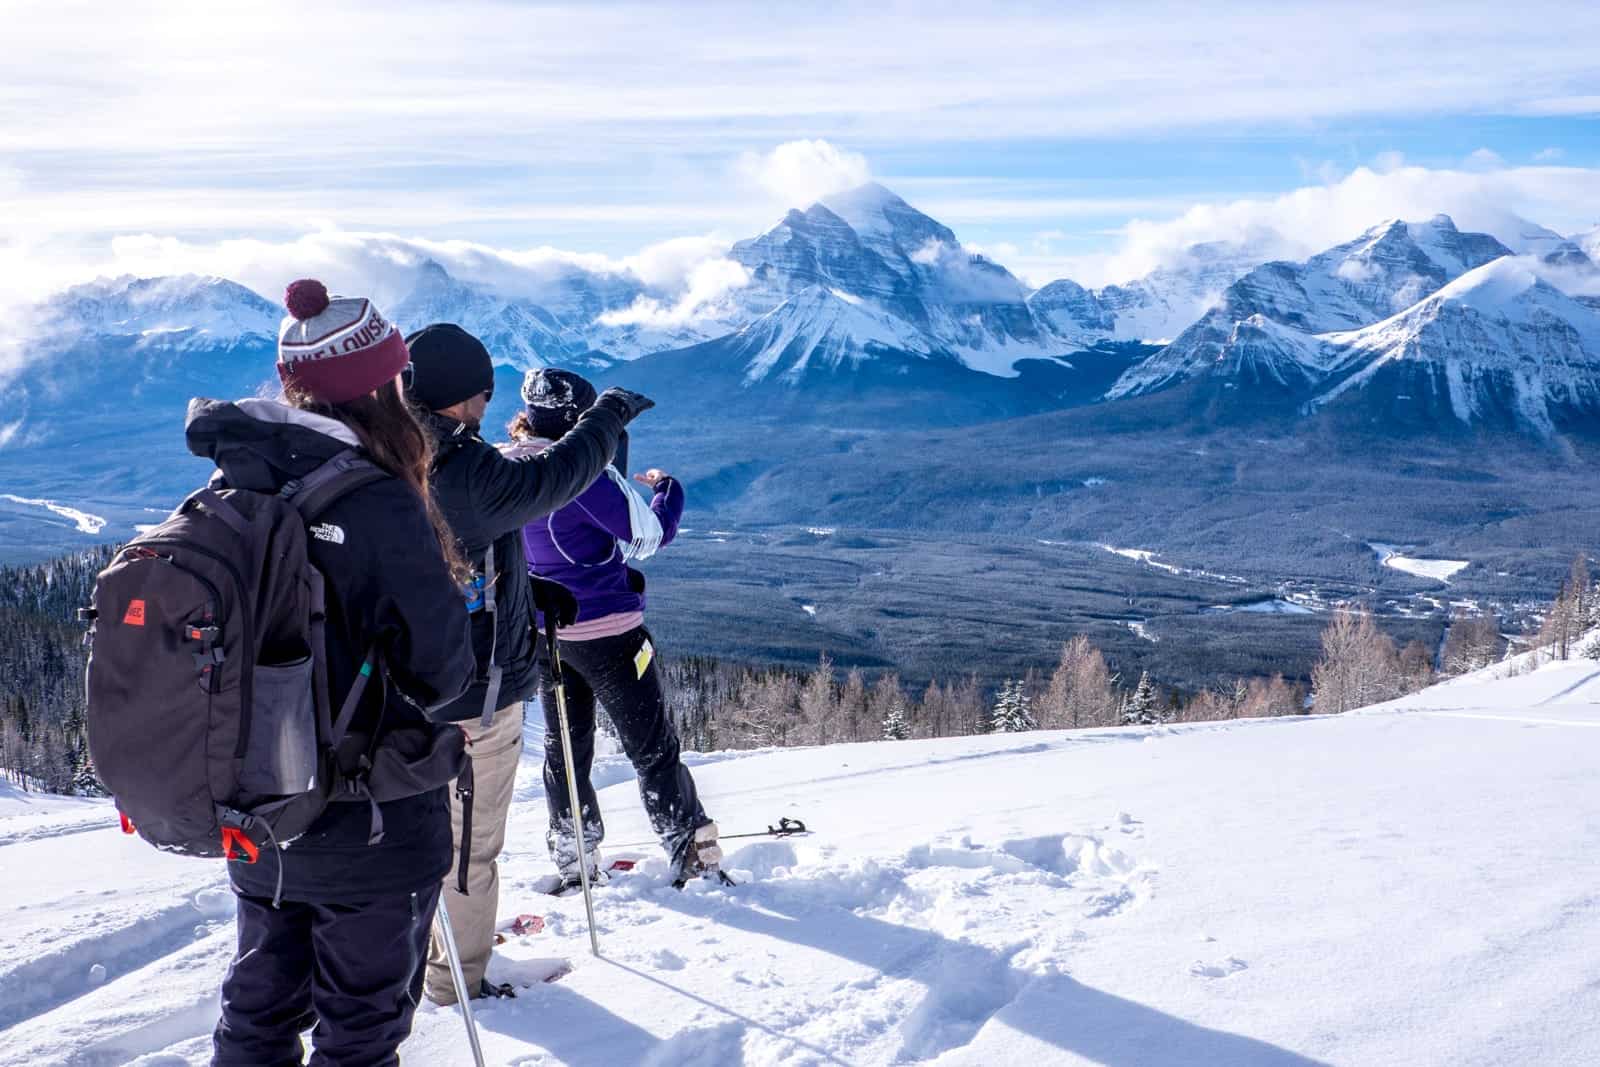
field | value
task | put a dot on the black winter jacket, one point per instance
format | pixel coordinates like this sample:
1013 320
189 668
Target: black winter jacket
487 499
386 583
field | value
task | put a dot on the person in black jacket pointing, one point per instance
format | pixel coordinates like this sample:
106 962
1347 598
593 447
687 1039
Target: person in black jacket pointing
486 499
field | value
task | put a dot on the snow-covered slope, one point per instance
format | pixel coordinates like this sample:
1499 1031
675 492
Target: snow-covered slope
1382 272
1403 885
820 330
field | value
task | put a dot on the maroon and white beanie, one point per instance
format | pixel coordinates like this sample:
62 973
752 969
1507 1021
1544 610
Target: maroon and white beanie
336 349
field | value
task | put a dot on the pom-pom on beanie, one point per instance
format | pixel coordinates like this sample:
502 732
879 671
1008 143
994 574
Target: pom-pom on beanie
336 348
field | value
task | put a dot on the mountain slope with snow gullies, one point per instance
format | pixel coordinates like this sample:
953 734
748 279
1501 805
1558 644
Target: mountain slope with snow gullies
1154 896
1497 344
818 330
1384 271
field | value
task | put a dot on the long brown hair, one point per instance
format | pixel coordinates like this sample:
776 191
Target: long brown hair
398 443
519 428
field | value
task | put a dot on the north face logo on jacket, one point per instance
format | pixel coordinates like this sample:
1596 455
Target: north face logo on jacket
327 531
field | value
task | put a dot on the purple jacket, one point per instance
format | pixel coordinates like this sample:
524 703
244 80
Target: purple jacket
587 545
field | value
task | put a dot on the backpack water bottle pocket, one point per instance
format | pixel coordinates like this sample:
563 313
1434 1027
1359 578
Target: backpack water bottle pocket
280 756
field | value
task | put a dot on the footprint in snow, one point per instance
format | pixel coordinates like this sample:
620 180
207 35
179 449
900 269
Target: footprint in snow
667 960
1230 966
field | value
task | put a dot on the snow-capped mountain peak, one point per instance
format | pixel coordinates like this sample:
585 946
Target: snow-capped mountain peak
197 308
892 228
1387 269
1499 342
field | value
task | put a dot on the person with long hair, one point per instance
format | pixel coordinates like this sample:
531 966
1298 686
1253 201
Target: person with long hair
344 948
607 655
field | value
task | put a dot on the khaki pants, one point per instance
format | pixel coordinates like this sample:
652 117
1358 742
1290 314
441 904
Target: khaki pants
495 754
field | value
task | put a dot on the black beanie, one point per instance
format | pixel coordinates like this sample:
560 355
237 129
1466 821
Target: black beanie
448 365
555 399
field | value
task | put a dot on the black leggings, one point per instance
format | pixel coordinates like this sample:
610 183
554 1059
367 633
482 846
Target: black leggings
607 670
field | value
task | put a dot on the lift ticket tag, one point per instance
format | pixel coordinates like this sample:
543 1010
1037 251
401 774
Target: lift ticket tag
641 660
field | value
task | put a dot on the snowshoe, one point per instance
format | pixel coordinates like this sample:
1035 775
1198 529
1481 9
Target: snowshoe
700 857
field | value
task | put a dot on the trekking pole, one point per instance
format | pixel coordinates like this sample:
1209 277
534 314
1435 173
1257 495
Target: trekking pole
459 977
558 682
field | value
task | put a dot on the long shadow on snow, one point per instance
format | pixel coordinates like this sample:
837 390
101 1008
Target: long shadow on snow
567 1025
970 984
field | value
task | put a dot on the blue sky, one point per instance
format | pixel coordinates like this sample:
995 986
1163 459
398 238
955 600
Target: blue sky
1091 141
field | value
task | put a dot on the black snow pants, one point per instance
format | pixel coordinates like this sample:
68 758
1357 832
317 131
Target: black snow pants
353 970
626 681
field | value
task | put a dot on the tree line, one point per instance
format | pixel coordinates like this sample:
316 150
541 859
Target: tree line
719 705
42 658
1360 664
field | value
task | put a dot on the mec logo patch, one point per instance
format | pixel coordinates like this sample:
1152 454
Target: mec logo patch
134 616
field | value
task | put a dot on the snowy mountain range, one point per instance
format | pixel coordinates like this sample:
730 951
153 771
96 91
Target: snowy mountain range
1417 320
862 296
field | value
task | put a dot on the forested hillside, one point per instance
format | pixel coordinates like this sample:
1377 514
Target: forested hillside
41 672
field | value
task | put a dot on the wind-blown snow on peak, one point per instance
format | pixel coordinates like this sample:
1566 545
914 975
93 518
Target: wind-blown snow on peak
183 308
518 332
888 225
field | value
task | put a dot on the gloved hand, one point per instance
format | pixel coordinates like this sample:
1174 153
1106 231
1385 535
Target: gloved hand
554 599
624 403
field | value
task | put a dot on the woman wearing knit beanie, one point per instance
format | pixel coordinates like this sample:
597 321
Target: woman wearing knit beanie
607 654
341 942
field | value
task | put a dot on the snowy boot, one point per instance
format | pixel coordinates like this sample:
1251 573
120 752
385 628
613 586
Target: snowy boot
568 868
698 857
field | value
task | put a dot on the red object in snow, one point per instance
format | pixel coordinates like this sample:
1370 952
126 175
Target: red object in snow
527 924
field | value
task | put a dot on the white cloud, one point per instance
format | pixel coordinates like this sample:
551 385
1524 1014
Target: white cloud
1549 155
704 296
1485 159
799 173
385 266
1309 219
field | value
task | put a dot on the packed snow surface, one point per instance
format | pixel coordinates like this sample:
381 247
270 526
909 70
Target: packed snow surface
1411 884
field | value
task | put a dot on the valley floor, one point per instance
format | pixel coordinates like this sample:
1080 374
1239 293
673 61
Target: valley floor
1412 884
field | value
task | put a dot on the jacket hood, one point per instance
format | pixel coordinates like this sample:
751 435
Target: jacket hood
261 444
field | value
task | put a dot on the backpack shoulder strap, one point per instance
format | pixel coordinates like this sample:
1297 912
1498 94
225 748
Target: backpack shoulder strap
315 492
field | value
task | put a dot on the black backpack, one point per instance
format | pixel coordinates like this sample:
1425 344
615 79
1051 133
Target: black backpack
209 716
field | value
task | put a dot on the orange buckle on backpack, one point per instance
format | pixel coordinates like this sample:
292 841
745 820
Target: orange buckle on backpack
127 823
231 837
